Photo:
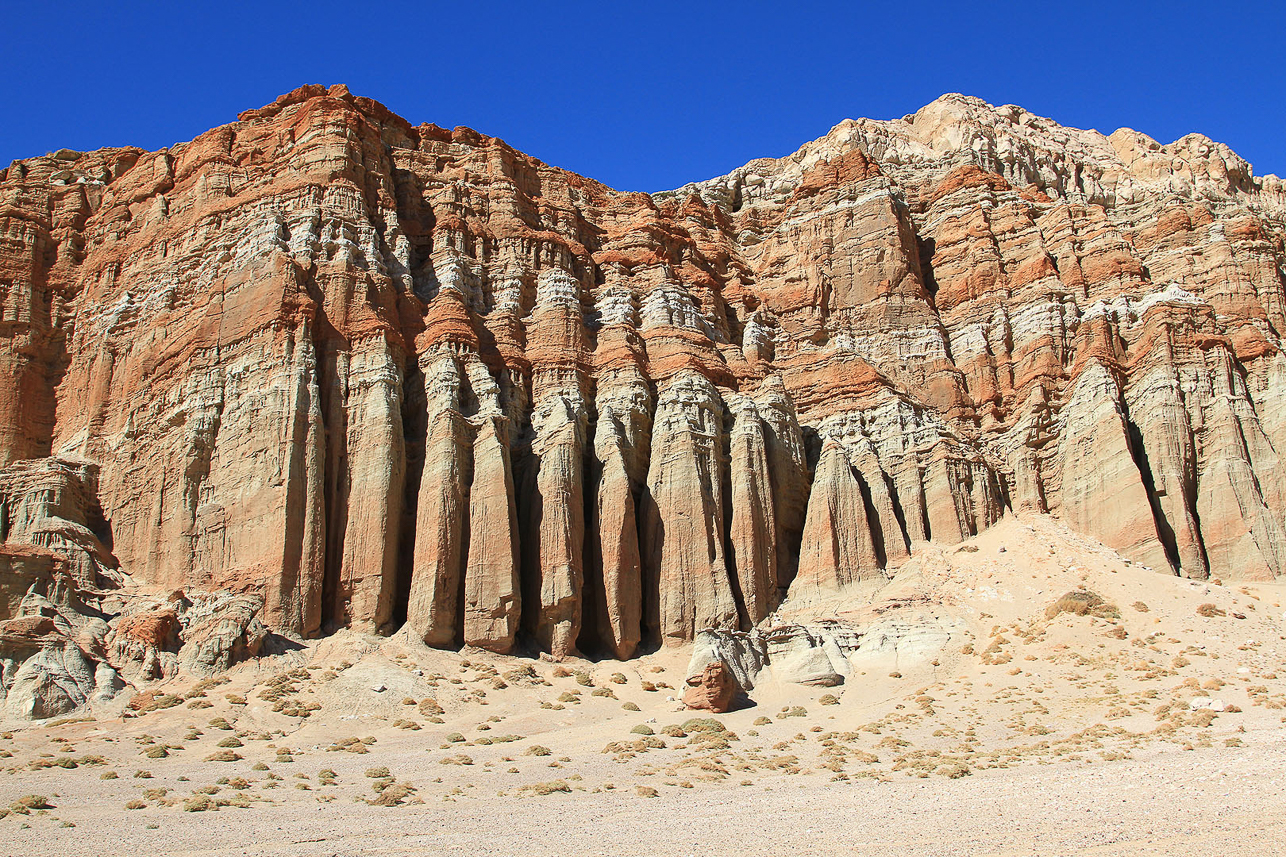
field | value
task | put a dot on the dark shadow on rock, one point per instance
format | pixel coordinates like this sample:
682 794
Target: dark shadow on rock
276 644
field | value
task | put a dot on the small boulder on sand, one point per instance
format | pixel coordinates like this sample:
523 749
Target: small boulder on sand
712 689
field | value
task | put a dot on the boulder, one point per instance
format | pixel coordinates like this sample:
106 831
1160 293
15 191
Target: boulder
713 689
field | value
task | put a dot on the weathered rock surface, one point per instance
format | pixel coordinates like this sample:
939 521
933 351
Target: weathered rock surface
713 689
823 654
365 373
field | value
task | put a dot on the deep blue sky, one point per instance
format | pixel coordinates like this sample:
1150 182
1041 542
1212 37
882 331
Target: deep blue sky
643 96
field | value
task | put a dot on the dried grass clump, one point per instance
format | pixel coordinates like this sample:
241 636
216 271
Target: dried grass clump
525 674
351 745
544 788
1083 602
200 803
393 794
224 756
26 803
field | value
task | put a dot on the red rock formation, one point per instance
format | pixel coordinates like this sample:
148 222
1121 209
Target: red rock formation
713 689
370 373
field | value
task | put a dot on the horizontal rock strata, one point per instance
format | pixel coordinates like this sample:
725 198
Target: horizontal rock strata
373 374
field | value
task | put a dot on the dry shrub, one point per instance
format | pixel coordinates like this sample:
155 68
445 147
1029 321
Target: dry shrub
703 724
348 745
29 802
199 803
224 756
1210 611
1083 602
393 794
544 788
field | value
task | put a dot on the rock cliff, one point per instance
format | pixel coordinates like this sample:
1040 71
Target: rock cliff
373 374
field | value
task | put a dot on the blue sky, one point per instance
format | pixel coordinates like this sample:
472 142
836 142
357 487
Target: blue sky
643 96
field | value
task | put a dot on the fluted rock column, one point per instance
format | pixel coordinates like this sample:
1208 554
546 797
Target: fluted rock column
297 598
685 570
1102 490
442 505
1156 407
1238 478
787 471
553 515
837 549
554 532
492 596
753 528
376 473
893 539
613 545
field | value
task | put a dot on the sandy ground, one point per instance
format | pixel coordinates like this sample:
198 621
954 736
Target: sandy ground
1025 734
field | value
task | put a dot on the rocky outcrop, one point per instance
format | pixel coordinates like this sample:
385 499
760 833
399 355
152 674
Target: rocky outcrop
199 633
51 503
371 374
714 689
53 649
823 654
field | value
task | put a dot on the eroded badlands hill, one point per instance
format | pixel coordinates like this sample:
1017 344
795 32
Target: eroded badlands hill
373 374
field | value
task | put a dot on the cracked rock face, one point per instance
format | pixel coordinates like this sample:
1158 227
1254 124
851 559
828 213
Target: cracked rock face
368 374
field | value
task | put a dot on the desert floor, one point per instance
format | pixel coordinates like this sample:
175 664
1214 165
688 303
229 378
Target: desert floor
1155 727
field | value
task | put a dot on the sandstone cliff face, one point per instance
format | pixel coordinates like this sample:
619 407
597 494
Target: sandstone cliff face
373 374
